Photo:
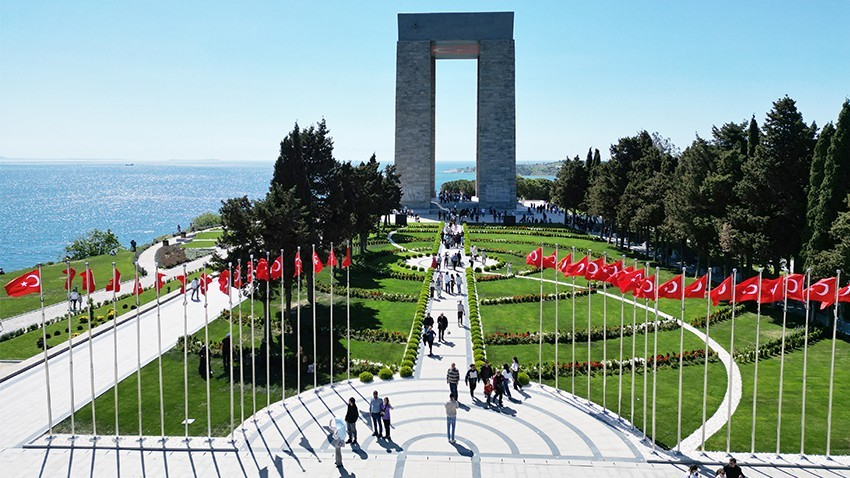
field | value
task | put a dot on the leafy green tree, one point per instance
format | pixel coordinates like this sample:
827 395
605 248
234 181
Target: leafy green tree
816 236
753 137
533 188
94 243
464 186
570 187
826 262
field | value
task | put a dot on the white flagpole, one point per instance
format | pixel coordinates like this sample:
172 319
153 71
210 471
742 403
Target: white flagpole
782 358
573 333
46 364
622 324
267 326
230 348
282 335
331 331
70 349
253 350
115 347
832 365
634 355
681 365
313 307
298 323
89 283
556 317
207 345
159 354
654 356
540 332
589 327
241 346
805 365
605 339
348 314
138 345
732 368
645 354
756 370
705 368
185 357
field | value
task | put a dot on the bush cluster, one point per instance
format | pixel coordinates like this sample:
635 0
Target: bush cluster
411 352
377 335
596 333
170 256
479 352
385 374
517 299
366 377
794 340
612 367
370 294
722 314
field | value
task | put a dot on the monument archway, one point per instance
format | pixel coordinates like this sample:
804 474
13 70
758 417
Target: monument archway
424 38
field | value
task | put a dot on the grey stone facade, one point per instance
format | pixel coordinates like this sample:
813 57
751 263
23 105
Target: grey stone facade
493 45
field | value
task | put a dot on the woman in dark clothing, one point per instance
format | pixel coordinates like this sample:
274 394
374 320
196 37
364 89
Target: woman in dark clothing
351 416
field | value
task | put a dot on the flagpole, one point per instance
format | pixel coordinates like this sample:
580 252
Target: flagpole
604 338
46 364
622 324
70 349
756 370
207 374
159 354
645 354
89 286
705 368
556 317
241 355
540 331
782 357
633 360
589 327
282 336
331 329
732 365
832 365
137 284
348 313
298 323
654 356
115 285
573 334
253 341
185 357
805 365
267 332
681 365
230 348
313 307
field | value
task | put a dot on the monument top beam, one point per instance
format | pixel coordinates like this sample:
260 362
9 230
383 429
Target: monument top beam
455 26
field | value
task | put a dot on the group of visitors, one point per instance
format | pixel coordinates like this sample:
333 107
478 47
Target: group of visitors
379 410
474 255
76 300
452 236
428 331
729 470
497 383
448 282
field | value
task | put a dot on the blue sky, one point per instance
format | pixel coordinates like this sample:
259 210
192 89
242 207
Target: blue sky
192 80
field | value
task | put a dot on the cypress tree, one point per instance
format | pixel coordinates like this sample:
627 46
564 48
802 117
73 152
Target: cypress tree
836 181
753 135
816 236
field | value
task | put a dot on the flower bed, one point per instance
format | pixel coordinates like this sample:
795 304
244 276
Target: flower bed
370 294
691 357
518 299
596 333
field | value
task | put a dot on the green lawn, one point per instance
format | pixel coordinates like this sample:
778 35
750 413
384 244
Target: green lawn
53 281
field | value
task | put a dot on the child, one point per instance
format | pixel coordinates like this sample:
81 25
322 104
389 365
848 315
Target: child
488 391
385 414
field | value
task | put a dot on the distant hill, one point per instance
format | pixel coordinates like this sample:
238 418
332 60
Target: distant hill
524 169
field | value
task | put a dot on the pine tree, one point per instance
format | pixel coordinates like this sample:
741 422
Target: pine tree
571 185
753 137
815 236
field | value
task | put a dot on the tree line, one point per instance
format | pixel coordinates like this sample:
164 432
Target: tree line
748 195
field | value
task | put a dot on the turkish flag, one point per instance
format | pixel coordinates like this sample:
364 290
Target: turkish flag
88 281
262 269
535 258
577 268
332 259
613 278
612 270
672 289
646 289
823 291
772 290
794 284
277 268
223 281
347 261
630 280
250 277
71 273
317 263
844 294
137 287
205 282
182 280
115 282
298 265
697 288
565 262
159 280
236 280
29 283
747 290
596 270
550 262
722 291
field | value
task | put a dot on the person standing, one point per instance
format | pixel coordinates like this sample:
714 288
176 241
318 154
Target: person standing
488 390
452 378
375 409
442 325
203 364
460 313
225 351
338 426
515 374
74 297
451 417
453 284
351 416
732 470
471 379
431 286
385 414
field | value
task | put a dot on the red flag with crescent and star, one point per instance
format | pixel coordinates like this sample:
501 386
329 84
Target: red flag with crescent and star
205 282
29 283
298 265
795 286
646 289
628 281
182 280
115 282
535 258
250 276
844 294
722 292
137 287
596 270
564 263
550 262
748 290
262 269
696 290
277 268
71 273
347 261
577 268
332 259
610 271
88 281
823 291
159 280
223 281
317 263
672 289
237 278
771 290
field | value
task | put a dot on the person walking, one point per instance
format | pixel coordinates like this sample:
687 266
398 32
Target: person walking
515 374
75 298
195 285
351 416
338 426
732 470
471 380
460 313
442 325
451 417
385 415
427 322
506 379
375 407
488 391
453 284
225 351
429 340
452 378
498 389
431 286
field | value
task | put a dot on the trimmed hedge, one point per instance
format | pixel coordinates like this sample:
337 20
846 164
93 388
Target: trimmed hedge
411 352
385 374
406 372
366 377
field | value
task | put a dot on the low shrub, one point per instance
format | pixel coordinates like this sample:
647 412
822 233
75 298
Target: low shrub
407 363
385 374
406 371
366 377
522 378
